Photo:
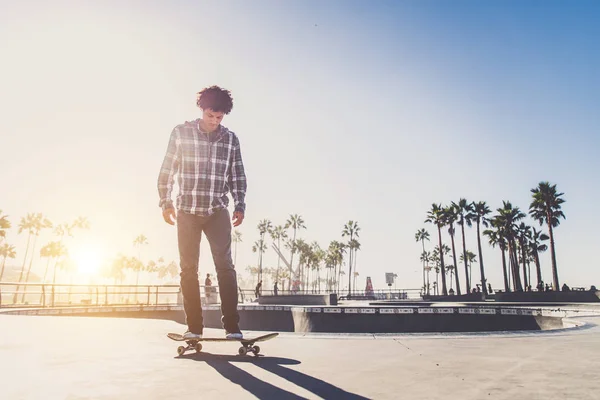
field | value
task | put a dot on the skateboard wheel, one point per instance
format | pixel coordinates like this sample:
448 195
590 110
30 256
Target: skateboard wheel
180 350
256 350
198 347
242 351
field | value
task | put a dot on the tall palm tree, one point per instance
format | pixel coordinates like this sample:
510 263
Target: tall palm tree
465 216
295 222
523 233
536 245
236 238
421 236
470 257
436 217
264 226
277 233
480 213
507 218
546 208
495 239
40 222
450 215
6 251
4 225
426 257
354 246
336 250
350 229
259 247
138 242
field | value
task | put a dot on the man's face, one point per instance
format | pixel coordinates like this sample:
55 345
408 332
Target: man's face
211 118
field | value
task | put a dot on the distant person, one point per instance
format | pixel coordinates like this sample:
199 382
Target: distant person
490 291
207 284
275 289
205 159
565 288
257 289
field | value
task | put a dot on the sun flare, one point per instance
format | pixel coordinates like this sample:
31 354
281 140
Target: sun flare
88 260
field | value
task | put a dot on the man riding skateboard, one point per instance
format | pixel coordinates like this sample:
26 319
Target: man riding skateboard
206 158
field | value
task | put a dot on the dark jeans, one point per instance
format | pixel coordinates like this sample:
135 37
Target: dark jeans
217 229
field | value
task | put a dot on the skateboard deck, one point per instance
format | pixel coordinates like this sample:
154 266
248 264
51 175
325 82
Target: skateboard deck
247 343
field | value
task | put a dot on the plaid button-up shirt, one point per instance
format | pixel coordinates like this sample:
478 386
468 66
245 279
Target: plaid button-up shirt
208 168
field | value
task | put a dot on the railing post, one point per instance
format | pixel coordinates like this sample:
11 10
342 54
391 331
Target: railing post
106 295
156 299
43 295
148 300
52 294
97 297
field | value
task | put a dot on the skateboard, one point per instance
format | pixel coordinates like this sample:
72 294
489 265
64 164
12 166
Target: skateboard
247 343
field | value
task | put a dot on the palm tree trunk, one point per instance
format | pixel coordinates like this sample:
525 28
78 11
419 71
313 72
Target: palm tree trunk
424 285
515 265
465 253
481 269
538 268
350 271
22 269
506 282
2 271
555 284
524 255
458 292
29 269
444 288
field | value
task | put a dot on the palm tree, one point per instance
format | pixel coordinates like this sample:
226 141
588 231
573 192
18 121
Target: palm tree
4 225
523 233
350 229
264 226
296 222
6 251
436 217
507 219
471 258
236 238
422 235
354 246
39 222
259 247
278 233
450 216
465 216
536 245
336 251
138 242
480 212
546 208
425 258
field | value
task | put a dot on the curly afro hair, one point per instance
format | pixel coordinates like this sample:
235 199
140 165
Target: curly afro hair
215 98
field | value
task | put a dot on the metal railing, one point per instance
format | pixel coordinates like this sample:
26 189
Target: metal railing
14 294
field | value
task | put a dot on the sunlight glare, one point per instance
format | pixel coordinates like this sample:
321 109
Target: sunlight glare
88 260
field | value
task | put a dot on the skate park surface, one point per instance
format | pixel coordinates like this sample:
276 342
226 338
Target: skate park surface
80 357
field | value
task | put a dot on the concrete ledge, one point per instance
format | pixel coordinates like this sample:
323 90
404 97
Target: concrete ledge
304 300
550 297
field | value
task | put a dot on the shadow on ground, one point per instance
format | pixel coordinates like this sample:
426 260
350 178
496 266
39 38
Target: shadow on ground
224 364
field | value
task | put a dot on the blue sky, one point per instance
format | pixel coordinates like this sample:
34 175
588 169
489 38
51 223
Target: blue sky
369 111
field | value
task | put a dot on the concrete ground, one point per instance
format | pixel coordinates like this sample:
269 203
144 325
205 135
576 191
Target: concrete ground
45 357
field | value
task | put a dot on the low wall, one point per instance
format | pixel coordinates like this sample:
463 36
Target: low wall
301 300
549 297
342 319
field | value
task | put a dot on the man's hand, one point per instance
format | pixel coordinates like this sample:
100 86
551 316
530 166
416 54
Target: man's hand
169 215
237 218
